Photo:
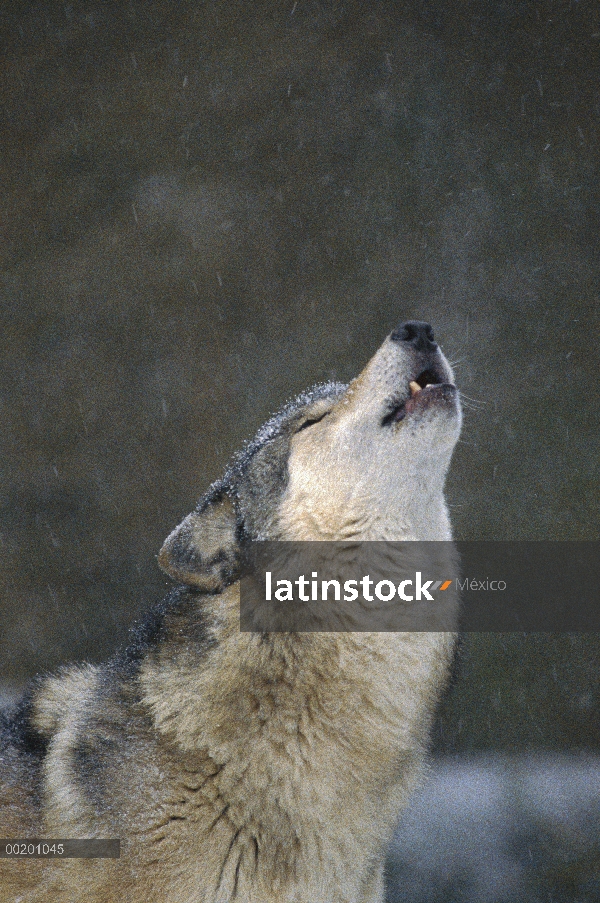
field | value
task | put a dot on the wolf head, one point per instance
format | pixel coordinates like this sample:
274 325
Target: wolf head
365 461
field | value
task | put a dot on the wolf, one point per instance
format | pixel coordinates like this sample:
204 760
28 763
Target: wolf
243 766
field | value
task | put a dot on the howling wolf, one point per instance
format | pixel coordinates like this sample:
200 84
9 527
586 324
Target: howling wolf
246 766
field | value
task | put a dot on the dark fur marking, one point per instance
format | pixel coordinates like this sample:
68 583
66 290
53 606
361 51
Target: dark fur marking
226 857
217 559
236 877
311 421
222 814
153 628
184 553
18 729
90 766
27 744
90 753
87 759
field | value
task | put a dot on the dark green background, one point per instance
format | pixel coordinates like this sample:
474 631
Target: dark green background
209 206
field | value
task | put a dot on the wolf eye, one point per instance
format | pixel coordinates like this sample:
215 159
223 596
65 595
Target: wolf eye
310 421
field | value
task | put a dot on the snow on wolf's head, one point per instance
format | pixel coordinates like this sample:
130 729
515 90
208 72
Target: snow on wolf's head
366 461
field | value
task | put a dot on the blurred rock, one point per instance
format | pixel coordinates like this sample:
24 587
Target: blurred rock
496 829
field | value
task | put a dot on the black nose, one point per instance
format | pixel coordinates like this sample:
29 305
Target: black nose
416 333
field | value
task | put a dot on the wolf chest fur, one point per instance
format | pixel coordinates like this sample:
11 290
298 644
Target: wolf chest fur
253 767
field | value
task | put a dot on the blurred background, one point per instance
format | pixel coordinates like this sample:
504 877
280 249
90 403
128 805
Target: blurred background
209 206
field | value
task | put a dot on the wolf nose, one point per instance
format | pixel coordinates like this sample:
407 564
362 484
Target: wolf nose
416 333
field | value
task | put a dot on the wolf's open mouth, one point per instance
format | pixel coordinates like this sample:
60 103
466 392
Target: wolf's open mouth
423 383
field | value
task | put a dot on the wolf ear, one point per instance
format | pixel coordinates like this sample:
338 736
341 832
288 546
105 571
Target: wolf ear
204 550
